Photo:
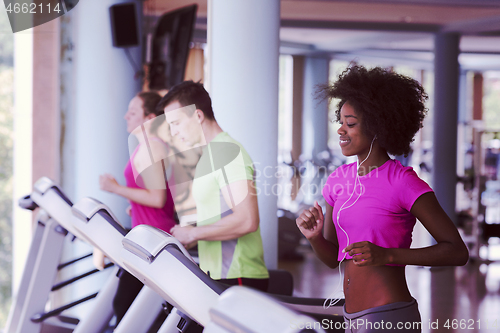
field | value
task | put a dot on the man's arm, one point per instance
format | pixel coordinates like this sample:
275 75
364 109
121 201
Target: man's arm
241 197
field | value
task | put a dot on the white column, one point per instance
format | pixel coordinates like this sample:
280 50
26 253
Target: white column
315 112
243 38
103 86
97 84
23 106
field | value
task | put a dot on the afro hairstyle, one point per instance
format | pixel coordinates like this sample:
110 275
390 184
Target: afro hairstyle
391 105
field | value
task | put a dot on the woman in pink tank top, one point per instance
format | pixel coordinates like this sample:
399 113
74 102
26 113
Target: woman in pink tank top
146 188
372 205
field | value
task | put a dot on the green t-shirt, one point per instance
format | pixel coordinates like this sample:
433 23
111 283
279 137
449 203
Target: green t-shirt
225 161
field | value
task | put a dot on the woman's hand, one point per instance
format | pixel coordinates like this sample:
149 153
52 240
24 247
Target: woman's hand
128 210
368 254
108 183
310 222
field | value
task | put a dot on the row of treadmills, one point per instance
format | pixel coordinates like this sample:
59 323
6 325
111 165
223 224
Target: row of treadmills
169 273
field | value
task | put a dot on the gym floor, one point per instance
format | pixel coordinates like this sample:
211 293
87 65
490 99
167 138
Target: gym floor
467 297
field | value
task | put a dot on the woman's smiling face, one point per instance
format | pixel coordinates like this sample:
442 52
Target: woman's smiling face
353 140
135 114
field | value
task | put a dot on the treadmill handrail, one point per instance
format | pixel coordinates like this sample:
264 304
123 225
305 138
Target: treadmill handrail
141 242
112 221
303 300
27 203
87 207
147 242
218 287
44 184
233 306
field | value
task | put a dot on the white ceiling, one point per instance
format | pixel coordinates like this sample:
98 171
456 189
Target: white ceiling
379 30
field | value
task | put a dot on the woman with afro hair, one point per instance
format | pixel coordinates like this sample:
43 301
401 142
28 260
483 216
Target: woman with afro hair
372 205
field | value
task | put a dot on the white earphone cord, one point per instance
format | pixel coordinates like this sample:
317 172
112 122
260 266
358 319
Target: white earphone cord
331 300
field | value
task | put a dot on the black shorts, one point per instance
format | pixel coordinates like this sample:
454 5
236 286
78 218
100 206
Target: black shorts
259 284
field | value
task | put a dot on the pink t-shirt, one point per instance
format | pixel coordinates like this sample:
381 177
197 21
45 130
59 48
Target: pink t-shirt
381 215
161 218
